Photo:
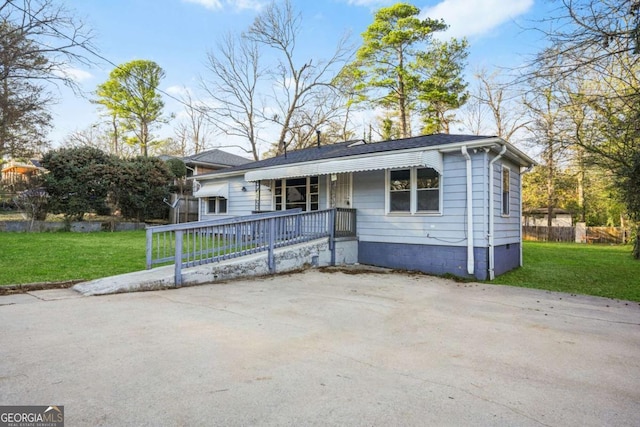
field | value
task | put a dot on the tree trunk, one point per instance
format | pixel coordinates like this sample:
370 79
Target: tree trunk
550 201
402 99
636 244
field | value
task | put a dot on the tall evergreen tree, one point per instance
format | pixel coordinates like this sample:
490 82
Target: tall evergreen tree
401 68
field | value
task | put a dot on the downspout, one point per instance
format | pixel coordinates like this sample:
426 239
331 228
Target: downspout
195 187
492 213
470 257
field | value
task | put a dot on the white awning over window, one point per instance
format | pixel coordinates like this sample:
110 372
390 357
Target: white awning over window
213 190
430 159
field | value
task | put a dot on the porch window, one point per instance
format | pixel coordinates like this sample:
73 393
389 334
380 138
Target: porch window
296 193
505 190
428 190
400 190
415 190
217 205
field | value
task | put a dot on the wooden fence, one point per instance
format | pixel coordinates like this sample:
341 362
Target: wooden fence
610 235
546 234
607 235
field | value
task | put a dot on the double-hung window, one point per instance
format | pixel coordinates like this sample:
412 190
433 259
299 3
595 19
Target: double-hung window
217 205
505 190
414 190
400 190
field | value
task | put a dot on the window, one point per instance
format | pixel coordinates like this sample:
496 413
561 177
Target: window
505 190
217 205
400 190
415 190
296 193
428 191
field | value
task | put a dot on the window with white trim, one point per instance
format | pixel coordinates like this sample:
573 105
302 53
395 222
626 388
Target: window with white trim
216 205
414 190
295 193
506 185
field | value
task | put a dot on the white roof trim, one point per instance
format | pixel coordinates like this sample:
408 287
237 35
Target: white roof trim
213 190
429 158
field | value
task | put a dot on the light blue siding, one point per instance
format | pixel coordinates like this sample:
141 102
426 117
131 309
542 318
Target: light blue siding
239 202
506 228
446 229
323 199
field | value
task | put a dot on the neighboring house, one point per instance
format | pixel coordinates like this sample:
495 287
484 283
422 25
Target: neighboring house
211 160
15 173
437 204
538 217
200 163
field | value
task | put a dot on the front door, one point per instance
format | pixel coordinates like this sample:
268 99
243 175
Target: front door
341 190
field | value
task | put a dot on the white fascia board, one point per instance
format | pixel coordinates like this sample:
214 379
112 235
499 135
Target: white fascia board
211 175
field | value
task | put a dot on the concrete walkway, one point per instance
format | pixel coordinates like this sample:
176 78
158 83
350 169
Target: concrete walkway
319 348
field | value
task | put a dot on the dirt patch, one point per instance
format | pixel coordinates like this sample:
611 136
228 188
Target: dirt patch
28 287
355 269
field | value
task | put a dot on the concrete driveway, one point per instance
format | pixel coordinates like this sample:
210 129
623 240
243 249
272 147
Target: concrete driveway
320 348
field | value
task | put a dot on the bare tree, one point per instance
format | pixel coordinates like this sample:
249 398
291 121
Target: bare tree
193 132
233 89
590 35
39 40
99 135
547 132
508 116
494 107
474 116
298 86
601 38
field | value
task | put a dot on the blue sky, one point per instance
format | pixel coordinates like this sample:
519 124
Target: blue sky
177 34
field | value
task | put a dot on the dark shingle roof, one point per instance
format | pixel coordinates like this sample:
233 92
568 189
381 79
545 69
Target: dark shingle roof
217 157
349 148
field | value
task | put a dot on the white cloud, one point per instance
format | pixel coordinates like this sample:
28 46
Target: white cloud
209 4
74 74
256 5
178 90
369 3
232 4
471 18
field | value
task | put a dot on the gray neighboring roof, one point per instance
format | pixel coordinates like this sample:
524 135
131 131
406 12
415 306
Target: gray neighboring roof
216 157
352 148
545 211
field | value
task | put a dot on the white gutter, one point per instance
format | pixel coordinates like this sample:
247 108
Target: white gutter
470 257
492 213
493 141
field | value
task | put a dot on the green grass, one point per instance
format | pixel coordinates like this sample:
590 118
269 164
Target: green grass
64 256
601 270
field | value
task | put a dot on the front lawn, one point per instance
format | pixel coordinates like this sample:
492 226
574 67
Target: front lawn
64 256
601 270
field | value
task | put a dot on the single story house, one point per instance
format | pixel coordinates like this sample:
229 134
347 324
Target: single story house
184 207
211 160
208 161
539 217
437 203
